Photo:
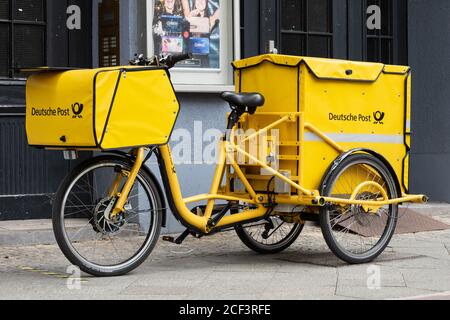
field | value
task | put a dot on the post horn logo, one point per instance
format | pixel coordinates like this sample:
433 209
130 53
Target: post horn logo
77 109
379 117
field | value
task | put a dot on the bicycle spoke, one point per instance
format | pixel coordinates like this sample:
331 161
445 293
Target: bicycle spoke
114 246
83 228
103 239
278 234
355 228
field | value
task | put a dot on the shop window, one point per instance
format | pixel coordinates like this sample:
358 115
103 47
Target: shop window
22 35
306 27
205 28
379 42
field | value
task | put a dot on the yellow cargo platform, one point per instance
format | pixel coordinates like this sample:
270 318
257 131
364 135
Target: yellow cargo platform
326 107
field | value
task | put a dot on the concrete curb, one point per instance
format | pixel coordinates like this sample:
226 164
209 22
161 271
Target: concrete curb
24 238
26 232
29 233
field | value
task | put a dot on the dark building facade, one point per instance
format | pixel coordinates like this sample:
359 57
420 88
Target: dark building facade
33 33
411 32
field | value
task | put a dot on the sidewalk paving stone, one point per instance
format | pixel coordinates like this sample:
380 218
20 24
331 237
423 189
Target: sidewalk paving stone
221 267
435 279
357 276
384 293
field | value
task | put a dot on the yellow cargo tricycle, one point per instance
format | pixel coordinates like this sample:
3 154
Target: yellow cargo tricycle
308 139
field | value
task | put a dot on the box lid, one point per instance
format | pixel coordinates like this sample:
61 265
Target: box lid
333 69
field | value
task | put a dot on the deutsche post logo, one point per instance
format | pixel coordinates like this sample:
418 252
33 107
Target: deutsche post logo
77 109
379 117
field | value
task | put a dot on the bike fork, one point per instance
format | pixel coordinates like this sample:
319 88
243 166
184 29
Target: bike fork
124 194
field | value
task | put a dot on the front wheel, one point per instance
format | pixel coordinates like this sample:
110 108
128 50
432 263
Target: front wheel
98 243
356 233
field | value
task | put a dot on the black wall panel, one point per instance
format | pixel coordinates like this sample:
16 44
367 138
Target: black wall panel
71 48
429 57
30 177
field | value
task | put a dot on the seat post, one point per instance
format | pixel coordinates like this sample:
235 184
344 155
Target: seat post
234 117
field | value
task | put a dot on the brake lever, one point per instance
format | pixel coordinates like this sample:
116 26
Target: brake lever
140 60
163 60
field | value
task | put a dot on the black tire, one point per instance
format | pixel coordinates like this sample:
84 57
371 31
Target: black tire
265 248
155 220
327 212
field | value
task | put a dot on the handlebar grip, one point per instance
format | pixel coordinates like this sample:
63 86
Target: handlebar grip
175 58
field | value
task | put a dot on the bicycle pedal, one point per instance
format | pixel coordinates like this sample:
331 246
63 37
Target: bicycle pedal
178 240
168 239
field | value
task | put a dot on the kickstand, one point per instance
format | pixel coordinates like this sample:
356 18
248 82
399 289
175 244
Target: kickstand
178 240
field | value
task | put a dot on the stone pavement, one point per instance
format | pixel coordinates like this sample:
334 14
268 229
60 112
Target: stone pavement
415 266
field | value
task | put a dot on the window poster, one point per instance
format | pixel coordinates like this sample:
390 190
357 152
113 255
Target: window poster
182 26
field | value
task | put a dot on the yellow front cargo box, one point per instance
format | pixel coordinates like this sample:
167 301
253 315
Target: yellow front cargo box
100 109
356 104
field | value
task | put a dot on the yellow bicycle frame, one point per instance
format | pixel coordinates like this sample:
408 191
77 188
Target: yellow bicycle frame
259 202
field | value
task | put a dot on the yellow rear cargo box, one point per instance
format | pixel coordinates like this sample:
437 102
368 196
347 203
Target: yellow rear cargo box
100 109
356 104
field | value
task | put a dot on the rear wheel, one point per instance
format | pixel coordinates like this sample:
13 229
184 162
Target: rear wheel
98 243
269 237
355 233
